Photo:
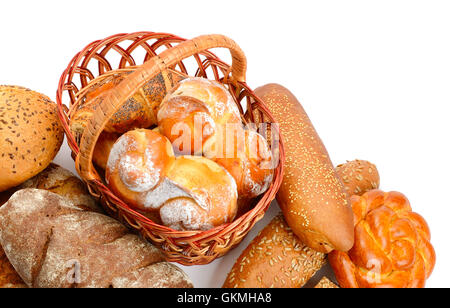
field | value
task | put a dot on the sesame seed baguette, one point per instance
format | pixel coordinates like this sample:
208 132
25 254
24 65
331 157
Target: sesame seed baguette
277 258
313 199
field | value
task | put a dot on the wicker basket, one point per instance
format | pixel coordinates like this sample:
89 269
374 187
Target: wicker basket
162 51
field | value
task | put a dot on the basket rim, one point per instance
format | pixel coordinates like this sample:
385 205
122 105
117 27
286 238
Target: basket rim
186 236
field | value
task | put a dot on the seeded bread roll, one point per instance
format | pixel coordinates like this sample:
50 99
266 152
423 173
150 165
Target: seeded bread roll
70 247
325 283
358 176
312 198
30 134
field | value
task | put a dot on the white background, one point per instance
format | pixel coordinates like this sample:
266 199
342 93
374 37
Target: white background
373 76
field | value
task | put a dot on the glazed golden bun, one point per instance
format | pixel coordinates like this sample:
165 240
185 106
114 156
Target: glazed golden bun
189 193
392 245
30 134
193 112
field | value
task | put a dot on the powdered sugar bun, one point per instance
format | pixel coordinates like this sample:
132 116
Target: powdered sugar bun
137 164
212 190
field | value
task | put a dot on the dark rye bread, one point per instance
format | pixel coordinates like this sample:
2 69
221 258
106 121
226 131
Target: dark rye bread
65 238
30 134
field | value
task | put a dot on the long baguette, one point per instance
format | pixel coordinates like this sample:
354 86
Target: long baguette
312 198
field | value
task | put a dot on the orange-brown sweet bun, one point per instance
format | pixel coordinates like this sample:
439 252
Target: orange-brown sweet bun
199 106
103 147
137 164
247 157
212 195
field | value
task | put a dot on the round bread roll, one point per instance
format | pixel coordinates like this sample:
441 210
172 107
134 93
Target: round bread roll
211 195
137 164
392 245
190 193
358 176
103 147
191 114
248 159
30 134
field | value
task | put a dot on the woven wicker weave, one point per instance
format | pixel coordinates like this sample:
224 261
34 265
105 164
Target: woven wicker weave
162 51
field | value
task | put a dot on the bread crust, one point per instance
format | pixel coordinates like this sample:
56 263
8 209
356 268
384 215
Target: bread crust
30 134
66 241
312 197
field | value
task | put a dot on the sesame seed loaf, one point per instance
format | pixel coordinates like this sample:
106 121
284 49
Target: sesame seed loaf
312 198
68 246
30 134
276 258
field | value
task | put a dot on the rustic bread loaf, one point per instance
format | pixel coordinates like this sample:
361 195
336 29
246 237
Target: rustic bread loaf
312 197
71 247
30 134
61 181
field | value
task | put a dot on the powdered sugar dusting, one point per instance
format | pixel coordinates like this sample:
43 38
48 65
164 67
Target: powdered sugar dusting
184 214
122 145
166 190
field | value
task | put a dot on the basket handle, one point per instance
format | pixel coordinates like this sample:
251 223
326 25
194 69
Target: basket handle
118 95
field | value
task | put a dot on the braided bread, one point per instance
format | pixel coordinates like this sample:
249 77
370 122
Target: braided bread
392 245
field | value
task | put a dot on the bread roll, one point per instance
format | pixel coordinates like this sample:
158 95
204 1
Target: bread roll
358 176
191 115
138 112
190 193
313 199
30 134
211 195
392 245
275 250
103 147
69 247
249 160
325 283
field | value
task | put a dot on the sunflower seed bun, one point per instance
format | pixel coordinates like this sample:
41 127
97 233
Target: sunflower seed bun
30 134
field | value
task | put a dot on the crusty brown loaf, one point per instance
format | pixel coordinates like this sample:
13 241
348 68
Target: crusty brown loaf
63 235
55 179
358 176
30 134
325 283
313 199
61 181
276 249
